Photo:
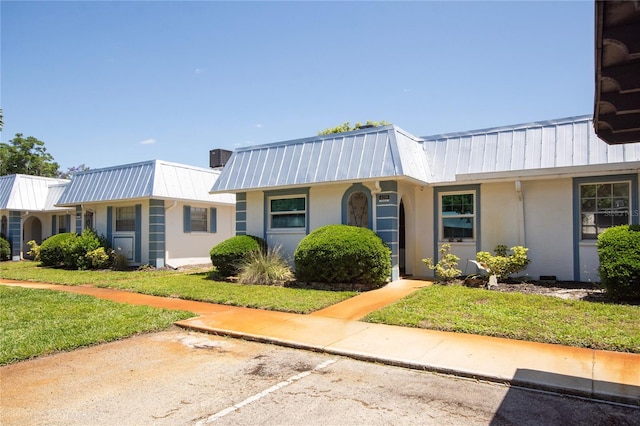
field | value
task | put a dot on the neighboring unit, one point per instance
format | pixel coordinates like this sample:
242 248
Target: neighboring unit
153 212
551 186
27 210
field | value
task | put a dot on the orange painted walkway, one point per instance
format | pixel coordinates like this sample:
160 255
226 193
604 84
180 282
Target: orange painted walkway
612 376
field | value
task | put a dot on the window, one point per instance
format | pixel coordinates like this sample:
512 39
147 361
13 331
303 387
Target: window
62 224
125 219
603 205
198 219
457 215
287 213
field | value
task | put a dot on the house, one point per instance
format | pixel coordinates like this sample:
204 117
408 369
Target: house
27 210
153 212
551 186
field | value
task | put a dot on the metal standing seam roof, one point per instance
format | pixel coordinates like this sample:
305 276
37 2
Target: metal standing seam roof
541 145
150 179
390 152
374 153
30 193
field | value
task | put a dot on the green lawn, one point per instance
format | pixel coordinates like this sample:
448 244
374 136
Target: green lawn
192 286
39 322
517 316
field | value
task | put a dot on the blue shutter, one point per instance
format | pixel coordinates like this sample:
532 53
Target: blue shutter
109 224
54 225
213 220
187 219
138 241
68 226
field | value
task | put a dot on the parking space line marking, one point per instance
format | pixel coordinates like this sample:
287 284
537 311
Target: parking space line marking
264 393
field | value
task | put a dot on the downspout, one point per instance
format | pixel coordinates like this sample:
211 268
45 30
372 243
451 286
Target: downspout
521 227
166 249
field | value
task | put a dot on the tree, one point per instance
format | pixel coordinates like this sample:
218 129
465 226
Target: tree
346 127
72 171
26 156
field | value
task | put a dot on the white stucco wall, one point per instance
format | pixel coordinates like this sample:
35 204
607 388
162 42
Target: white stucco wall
192 248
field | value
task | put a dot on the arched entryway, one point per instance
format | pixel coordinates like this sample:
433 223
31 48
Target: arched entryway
32 231
357 207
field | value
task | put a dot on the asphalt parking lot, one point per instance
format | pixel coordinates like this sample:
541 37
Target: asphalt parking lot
179 377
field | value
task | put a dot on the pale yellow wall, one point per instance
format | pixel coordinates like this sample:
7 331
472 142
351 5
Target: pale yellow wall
423 235
255 213
549 227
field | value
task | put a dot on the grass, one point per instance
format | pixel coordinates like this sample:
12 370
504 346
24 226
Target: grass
41 322
517 316
190 286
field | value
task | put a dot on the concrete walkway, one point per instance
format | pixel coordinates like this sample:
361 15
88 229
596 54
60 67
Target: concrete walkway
606 375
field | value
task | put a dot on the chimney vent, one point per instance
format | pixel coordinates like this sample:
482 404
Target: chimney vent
218 158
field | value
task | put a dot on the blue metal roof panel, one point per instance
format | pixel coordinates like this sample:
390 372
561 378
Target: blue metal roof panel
541 145
159 179
362 154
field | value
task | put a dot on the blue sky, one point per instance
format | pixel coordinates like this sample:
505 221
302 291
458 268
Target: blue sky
107 83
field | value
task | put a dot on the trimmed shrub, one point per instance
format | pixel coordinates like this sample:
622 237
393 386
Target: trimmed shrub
343 254
75 249
230 254
99 259
5 249
51 249
619 255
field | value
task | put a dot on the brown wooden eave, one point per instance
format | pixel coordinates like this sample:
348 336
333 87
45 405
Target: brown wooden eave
616 115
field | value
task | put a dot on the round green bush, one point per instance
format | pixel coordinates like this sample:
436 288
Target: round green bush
5 249
51 249
229 255
343 254
619 255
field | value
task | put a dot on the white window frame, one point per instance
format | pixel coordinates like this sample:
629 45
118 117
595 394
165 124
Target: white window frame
271 214
610 212
116 219
206 219
471 216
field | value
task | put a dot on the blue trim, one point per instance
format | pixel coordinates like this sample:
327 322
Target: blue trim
576 209
54 224
14 233
138 241
78 219
241 213
280 193
213 220
186 219
110 224
157 233
357 187
389 186
436 213
68 222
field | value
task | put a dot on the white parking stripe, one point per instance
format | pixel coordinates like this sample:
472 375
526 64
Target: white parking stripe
265 392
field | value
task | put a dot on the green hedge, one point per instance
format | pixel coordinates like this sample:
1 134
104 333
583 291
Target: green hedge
343 254
72 250
232 252
51 252
619 254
